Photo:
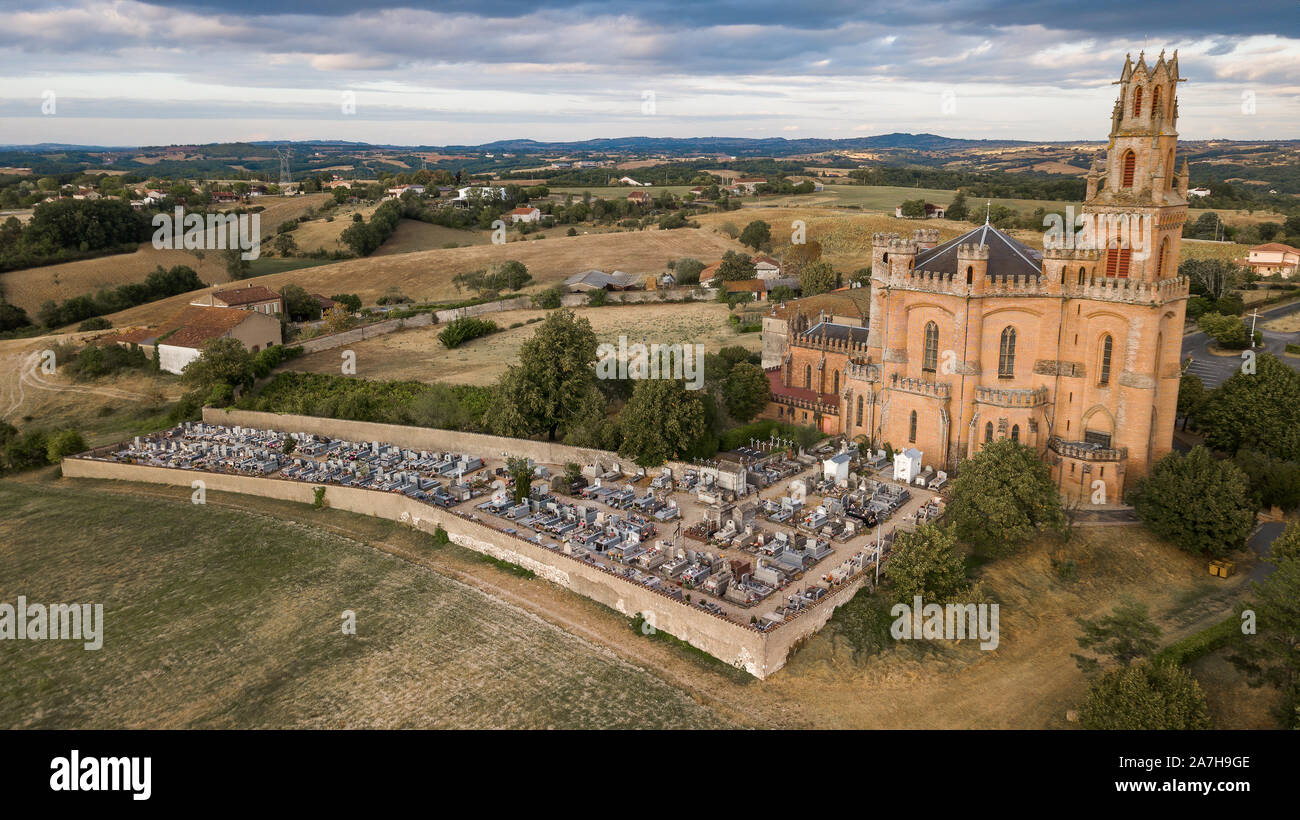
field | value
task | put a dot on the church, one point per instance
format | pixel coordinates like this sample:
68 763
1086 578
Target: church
1072 349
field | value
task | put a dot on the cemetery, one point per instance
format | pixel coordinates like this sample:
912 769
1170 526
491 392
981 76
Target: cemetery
759 536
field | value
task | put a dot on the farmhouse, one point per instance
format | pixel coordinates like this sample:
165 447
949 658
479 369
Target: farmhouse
180 339
1274 259
249 297
765 267
525 214
639 197
932 211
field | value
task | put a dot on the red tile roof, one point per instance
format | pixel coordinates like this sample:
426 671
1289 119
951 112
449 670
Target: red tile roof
778 389
246 296
195 325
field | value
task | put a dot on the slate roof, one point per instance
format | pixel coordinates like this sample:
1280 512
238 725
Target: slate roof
838 332
1007 256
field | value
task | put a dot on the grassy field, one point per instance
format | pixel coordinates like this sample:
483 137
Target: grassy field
417 354
219 619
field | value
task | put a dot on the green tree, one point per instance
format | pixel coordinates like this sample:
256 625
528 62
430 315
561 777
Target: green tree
747 391
1002 497
1145 696
817 277
914 208
350 300
687 271
1286 546
223 361
63 443
927 563
1272 655
300 305
1199 503
1259 410
521 471
957 209
1228 331
663 420
1214 277
553 387
735 267
757 235
1273 481
237 267
1191 396
1126 634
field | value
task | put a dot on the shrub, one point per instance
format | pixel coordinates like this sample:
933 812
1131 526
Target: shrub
63 443
465 328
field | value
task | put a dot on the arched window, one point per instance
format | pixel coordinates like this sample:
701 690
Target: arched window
1130 166
1155 100
930 353
1015 433
1107 345
837 382
1137 101
1007 354
807 376
1083 275
1162 258
1118 256
911 428
988 432
970 274
859 422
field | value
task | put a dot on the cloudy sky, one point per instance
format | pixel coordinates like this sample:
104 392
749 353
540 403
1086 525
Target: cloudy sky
129 72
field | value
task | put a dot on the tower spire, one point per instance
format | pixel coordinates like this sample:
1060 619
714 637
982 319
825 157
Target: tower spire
988 206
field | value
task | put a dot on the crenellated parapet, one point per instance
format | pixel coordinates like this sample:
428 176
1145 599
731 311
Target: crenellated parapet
864 372
828 344
1133 291
921 387
1012 397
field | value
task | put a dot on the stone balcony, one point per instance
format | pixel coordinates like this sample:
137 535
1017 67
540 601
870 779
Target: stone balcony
1086 452
1009 397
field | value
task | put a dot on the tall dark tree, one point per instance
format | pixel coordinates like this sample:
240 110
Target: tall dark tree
1198 502
553 387
1003 497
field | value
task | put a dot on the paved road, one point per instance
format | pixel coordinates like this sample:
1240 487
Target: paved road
1214 370
1260 542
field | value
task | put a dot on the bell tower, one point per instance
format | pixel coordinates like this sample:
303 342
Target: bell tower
1137 198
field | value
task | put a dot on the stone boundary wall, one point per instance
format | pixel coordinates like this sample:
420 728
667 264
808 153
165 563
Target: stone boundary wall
318 343
426 438
741 646
758 653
